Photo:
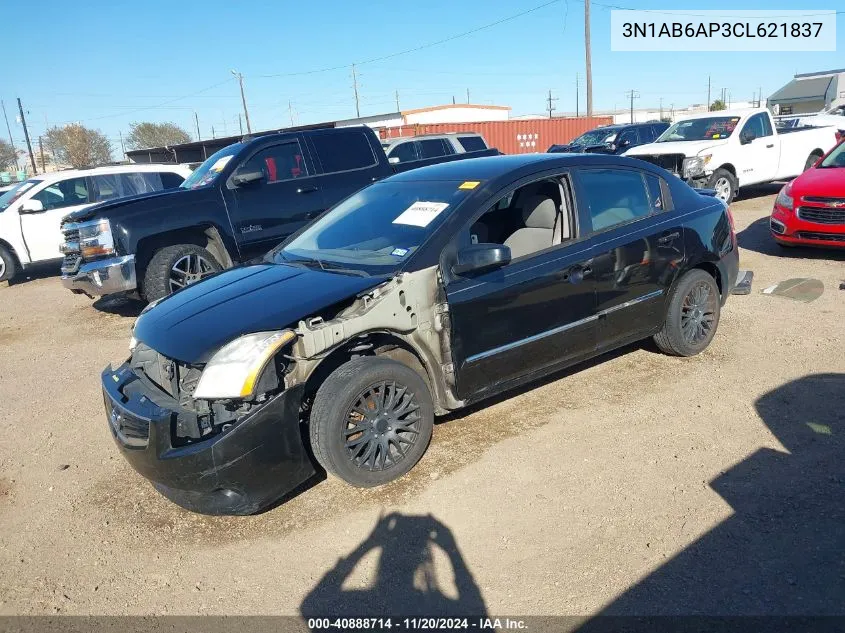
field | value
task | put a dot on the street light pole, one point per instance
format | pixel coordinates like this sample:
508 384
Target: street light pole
243 100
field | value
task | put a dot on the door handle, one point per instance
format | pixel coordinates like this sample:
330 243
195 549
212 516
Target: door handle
306 190
665 239
770 146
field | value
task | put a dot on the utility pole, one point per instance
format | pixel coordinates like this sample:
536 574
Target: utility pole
212 132
197 121
290 113
9 130
589 62
661 108
122 147
243 100
467 95
41 149
708 93
397 101
632 94
241 123
355 89
760 98
577 95
550 105
26 135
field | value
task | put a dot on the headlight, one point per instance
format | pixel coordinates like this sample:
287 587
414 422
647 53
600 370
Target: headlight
694 165
784 199
234 370
95 238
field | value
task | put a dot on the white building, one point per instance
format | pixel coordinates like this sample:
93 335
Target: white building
449 113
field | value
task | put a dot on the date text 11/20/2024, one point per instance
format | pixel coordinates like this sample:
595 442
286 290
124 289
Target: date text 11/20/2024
416 624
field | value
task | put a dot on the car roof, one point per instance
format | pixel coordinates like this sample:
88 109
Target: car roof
493 167
64 174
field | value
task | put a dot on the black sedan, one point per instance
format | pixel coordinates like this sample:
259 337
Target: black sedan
414 297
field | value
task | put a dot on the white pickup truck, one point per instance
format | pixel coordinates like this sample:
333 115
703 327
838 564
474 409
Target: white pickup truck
31 212
730 149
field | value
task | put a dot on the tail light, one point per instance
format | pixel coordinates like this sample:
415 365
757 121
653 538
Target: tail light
731 220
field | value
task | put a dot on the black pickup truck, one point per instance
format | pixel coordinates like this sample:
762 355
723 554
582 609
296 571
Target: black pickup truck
239 204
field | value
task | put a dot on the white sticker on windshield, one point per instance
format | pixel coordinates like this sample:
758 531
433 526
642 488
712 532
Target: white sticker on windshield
220 163
421 213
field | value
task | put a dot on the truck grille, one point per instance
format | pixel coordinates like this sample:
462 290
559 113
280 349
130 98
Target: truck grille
132 430
829 237
669 162
821 215
70 248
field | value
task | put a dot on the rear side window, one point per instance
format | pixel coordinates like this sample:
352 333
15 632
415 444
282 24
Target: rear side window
472 143
343 150
655 192
647 134
105 187
278 162
614 196
434 147
169 180
405 152
140 182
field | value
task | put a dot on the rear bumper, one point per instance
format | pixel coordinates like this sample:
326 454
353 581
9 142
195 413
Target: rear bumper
238 471
104 277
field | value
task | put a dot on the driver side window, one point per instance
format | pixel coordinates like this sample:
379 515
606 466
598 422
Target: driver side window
278 162
66 193
758 126
528 220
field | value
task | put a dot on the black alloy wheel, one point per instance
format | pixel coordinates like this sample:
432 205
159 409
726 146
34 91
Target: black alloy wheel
698 313
692 315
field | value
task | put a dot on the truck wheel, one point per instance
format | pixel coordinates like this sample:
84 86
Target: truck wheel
8 265
175 267
811 160
692 315
724 182
371 421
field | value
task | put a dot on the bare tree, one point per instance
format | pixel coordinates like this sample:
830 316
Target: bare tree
8 154
145 135
78 146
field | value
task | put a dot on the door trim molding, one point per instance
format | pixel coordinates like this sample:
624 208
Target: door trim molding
563 328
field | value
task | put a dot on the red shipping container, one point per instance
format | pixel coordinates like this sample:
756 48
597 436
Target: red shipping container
510 137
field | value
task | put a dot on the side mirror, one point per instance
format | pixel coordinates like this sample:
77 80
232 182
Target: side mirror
244 177
746 137
393 160
480 258
32 206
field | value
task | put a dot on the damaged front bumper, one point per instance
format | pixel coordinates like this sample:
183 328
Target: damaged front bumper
103 277
240 470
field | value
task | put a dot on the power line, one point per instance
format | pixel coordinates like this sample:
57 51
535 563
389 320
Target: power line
550 103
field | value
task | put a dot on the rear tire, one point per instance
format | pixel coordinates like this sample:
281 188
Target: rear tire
724 183
811 160
172 265
8 265
371 421
692 315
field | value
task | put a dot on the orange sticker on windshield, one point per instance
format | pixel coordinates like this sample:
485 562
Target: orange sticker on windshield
469 184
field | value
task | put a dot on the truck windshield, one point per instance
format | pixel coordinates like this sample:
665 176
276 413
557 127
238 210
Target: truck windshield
595 137
16 192
206 173
376 230
836 158
704 129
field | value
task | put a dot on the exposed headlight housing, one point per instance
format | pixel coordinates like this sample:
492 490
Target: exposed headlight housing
95 238
784 199
234 370
694 165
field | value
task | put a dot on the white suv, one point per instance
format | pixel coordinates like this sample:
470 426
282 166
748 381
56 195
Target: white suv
31 212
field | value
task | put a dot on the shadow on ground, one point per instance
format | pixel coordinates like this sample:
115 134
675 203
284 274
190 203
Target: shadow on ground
419 571
757 237
783 550
35 272
759 191
119 305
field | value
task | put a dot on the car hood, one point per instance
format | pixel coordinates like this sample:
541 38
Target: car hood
192 324
687 148
828 182
143 200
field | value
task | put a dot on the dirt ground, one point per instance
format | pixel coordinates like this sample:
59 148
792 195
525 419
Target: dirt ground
637 483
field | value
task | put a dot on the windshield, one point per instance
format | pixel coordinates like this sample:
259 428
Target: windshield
836 158
704 129
211 168
377 229
16 192
595 137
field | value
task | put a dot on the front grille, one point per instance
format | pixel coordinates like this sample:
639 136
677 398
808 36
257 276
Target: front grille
669 162
821 215
824 200
132 430
828 237
70 248
159 369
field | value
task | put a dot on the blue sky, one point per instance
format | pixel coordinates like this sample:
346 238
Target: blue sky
108 63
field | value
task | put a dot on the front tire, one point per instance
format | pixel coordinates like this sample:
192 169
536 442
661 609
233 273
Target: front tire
724 183
8 265
692 315
175 267
371 421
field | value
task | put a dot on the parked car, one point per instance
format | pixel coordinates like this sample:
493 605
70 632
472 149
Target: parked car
31 213
410 148
239 204
810 210
613 139
731 149
417 296
834 116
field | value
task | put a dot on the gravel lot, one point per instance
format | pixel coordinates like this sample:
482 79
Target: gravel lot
638 483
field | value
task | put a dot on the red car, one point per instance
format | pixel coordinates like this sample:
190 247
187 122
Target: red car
810 210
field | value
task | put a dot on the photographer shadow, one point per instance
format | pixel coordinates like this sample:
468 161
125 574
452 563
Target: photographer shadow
412 576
